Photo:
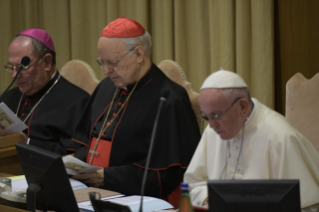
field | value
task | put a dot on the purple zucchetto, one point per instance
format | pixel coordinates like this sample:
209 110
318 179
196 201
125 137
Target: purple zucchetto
40 35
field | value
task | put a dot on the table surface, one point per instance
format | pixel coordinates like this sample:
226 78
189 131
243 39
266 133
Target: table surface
2 174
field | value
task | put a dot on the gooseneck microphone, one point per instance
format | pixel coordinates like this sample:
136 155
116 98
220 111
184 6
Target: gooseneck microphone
162 100
24 62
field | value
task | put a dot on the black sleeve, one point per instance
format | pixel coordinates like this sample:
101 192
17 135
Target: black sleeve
81 153
159 183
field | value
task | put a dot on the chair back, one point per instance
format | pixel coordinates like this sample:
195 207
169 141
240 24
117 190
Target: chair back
175 72
302 106
80 74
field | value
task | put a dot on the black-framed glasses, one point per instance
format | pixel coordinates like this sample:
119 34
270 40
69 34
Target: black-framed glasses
10 68
218 116
110 63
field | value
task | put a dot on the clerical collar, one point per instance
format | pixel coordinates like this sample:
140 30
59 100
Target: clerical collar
253 110
249 117
54 74
144 79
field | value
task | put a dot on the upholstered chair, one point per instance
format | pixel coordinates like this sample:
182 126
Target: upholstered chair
176 73
302 106
80 74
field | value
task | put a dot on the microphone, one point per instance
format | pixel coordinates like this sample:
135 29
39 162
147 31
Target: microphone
162 100
24 62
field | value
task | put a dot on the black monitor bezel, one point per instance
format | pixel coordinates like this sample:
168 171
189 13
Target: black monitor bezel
250 195
49 185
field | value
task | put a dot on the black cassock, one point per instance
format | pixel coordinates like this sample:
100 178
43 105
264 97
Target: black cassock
130 134
51 124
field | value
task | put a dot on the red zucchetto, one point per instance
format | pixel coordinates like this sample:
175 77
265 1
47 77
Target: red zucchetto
123 28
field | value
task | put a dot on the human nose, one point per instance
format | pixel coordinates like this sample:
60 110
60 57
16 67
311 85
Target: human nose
14 72
213 123
107 70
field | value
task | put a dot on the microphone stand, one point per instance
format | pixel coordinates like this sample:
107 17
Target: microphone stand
150 152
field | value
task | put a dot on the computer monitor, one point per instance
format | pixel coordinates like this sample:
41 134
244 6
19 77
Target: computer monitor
253 195
49 187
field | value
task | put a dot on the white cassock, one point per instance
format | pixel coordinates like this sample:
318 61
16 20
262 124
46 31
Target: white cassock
271 149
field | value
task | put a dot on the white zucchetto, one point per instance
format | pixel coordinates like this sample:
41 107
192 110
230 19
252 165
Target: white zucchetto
224 79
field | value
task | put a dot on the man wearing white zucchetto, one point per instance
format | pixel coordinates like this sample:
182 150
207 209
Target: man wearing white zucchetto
247 140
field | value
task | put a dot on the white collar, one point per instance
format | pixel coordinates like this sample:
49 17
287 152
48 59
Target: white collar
253 111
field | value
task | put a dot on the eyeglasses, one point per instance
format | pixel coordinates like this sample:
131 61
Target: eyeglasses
110 63
218 116
10 68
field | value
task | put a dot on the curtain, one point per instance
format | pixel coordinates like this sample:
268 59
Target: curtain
203 36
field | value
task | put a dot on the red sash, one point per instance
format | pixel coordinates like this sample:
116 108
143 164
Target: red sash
103 151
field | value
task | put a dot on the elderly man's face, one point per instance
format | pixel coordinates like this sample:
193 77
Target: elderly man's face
213 102
36 77
128 69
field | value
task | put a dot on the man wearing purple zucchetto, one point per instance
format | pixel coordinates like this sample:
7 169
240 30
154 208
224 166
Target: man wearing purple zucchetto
46 102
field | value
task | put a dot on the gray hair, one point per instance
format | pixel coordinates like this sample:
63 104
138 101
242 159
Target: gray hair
38 48
144 40
234 93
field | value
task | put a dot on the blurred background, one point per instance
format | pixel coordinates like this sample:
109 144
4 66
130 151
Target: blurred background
264 41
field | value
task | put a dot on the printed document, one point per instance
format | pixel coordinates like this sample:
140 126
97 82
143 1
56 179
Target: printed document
9 121
75 166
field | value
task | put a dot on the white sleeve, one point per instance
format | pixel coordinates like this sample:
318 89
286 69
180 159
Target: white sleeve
196 174
199 194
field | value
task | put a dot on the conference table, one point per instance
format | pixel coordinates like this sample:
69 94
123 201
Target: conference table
4 208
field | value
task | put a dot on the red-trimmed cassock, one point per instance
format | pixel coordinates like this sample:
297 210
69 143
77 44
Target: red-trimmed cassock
124 145
52 122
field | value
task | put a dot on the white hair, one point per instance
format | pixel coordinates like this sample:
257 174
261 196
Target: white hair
234 93
144 40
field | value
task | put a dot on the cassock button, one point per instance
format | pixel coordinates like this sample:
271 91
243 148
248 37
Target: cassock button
23 114
108 123
114 114
120 103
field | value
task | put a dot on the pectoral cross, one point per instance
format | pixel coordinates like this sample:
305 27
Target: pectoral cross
93 152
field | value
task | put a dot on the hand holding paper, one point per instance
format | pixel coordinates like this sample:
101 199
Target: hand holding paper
75 166
93 179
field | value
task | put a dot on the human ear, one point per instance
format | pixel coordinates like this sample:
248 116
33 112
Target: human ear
140 53
47 62
244 106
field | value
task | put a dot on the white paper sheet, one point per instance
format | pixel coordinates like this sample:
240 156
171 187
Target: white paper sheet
9 121
75 166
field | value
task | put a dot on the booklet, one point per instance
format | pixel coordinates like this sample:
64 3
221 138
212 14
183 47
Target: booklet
75 166
9 121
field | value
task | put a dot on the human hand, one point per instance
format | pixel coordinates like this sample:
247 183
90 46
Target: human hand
23 137
4 133
92 179
205 203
